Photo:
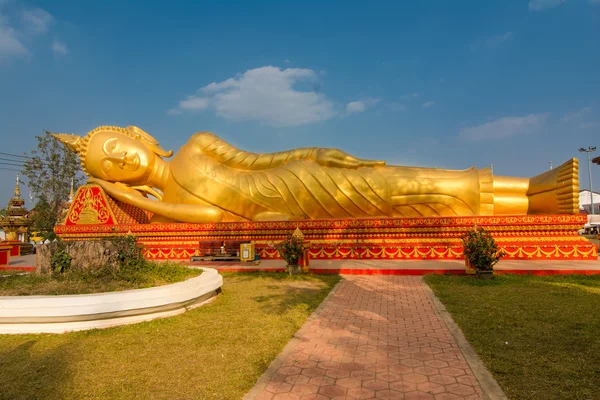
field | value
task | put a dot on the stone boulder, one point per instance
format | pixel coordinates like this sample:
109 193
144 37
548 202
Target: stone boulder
85 255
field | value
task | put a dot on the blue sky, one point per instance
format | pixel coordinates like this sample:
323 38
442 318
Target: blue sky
451 84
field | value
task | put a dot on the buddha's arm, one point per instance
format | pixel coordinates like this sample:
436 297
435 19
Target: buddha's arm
192 213
231 156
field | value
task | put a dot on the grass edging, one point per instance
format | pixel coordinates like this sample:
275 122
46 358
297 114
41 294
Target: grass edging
537 335
491 388
265 378
79 282
69 313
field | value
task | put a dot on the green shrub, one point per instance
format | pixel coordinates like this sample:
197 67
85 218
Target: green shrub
127 249
60 260
291 250
126 264
480 248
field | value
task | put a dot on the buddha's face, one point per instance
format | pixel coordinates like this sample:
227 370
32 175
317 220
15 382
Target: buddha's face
119 158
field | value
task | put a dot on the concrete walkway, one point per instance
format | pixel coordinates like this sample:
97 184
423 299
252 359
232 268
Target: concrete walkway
375 337
23 263
415 267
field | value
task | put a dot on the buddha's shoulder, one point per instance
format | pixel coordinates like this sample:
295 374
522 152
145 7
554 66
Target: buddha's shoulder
203 138
200 141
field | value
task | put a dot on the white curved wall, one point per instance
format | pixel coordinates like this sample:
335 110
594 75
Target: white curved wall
57 314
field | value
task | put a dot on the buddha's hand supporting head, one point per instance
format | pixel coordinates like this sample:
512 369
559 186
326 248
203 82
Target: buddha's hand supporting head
115 154
340 159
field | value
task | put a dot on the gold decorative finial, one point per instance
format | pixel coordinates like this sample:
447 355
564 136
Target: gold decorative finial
17 194
71 194
71 141
298 234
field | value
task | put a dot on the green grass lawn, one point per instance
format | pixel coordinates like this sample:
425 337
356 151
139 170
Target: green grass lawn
217 351
150 274
539 336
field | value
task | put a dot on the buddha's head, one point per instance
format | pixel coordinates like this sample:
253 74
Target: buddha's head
115 154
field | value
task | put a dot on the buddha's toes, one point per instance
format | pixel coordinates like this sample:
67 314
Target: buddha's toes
567 187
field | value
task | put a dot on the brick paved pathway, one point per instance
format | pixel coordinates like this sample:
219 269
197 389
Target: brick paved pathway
376 337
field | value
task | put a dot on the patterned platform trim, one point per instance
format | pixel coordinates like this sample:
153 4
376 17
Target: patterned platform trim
126 214
521 237
434 224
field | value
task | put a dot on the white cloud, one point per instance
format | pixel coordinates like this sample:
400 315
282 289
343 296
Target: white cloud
37 20
174 111
193 103
10 44
428 104
59 47
581 118
286 61
265 94
594 2
505 127
576 116
355 107
360 105
537 5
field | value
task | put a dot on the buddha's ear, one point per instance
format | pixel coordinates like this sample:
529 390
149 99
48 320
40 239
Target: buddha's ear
141 134
69 140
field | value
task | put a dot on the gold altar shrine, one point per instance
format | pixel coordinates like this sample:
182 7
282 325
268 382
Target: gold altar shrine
212 190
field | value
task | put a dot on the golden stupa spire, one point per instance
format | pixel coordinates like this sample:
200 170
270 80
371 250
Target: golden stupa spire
71 192
17 194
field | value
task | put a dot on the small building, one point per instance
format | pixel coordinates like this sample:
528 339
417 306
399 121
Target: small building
15 223
585 201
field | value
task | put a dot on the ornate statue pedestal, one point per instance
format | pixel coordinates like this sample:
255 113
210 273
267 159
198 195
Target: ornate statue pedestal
4 254
530 237
15 247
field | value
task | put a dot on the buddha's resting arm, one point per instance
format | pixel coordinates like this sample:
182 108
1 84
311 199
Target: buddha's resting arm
193 213
231 156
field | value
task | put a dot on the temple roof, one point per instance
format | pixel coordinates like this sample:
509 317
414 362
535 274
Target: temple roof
596 160
16 213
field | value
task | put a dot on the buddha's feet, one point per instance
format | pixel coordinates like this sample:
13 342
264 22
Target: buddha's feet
555 191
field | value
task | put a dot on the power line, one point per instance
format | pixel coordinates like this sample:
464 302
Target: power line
23 162
9 160
19 163
26 158
15 155
12 165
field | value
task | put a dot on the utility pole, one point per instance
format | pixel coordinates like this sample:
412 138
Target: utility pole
588 151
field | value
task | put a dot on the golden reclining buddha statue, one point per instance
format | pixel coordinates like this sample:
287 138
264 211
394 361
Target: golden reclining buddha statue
209 180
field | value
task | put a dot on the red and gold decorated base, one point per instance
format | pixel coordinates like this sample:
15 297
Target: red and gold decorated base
94 215
4 254
15 247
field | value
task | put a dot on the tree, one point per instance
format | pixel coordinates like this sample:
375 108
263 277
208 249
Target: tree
42 220
50 169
